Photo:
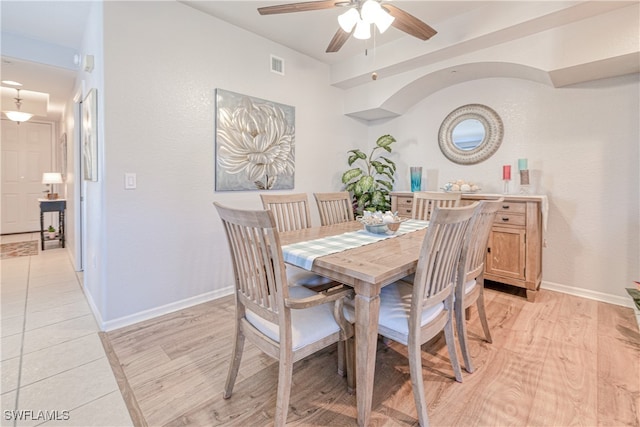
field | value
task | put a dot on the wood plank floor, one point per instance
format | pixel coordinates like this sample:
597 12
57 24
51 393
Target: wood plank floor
560 361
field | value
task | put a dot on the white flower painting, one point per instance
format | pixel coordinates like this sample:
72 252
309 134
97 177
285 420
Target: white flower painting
255 143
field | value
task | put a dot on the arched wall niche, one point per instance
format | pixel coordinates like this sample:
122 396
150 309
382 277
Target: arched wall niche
415 91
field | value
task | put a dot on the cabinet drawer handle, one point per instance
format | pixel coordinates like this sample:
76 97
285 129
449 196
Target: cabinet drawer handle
505 219
505 206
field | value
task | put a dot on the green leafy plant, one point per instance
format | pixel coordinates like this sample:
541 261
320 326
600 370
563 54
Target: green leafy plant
371 182
51 229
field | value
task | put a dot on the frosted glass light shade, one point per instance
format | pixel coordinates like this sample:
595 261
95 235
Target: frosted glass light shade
383 21
370 11
18 116
363 30
348 19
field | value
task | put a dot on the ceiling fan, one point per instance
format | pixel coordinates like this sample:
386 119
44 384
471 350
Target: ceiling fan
358 19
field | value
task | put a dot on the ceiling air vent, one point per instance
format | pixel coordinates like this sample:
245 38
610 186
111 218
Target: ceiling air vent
277 65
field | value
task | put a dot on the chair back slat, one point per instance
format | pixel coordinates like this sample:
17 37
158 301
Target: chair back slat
424 203
440 255
290 211
257 260
334 208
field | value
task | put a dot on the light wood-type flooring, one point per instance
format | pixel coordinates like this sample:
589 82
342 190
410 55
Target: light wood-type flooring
560 361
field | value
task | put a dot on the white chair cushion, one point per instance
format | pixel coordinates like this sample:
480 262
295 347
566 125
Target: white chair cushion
395 306
468 287
308 325
297 276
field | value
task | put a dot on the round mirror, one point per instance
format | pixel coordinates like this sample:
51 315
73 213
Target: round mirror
470 134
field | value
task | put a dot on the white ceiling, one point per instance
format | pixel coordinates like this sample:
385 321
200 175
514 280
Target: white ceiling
310 32
57 23
61 24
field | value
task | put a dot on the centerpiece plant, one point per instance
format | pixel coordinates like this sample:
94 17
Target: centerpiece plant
372 180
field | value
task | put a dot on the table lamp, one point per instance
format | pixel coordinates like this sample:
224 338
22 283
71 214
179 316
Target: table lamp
51 178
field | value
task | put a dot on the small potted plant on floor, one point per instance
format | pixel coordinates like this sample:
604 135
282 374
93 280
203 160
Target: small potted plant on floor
51 232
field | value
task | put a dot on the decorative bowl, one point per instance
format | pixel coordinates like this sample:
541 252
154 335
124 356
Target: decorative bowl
384 228
381 223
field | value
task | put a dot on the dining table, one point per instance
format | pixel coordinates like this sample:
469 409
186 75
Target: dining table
367 264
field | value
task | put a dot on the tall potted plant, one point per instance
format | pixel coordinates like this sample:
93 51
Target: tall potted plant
371 182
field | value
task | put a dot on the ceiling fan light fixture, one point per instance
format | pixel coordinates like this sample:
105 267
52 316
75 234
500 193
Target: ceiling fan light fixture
348 20
363 30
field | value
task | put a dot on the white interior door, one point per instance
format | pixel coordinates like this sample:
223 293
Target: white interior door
26 154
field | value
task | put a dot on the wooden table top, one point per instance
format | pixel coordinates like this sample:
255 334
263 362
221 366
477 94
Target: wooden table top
377 263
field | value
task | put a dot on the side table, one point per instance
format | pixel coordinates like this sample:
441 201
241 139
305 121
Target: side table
56 205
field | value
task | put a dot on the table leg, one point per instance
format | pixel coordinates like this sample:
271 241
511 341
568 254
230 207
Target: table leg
367 312
41 229
61 229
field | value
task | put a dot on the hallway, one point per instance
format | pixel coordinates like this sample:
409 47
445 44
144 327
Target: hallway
54 368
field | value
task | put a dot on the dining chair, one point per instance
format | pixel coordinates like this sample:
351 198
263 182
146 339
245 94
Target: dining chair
334 208
291 211
470 277
412 314
287 323
424 202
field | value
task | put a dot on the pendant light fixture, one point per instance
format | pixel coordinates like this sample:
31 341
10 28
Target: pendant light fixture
17 115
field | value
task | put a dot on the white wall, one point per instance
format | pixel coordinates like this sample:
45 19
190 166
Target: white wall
96 257
164 245
582 146
160 247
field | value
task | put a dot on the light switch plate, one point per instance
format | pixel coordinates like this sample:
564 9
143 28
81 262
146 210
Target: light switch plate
129 181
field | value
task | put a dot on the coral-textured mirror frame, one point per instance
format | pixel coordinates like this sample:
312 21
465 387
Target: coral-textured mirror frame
494 131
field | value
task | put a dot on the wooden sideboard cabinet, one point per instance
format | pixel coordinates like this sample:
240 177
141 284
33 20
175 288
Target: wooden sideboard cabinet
514 251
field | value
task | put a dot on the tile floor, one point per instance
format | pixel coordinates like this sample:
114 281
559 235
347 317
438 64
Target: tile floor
52 358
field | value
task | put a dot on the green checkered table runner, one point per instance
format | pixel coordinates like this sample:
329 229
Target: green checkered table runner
303 254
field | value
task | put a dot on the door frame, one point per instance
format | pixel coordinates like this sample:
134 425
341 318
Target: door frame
79 252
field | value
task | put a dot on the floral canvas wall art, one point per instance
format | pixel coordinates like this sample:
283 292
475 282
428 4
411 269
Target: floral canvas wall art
255 143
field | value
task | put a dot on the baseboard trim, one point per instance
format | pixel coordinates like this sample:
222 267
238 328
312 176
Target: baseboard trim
585 293
164 309
209 296
93 307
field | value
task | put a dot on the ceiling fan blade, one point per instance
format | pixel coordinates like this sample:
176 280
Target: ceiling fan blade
409 24
339 39
297 7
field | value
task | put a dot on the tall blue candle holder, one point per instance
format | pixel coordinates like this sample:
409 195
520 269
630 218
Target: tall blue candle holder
416 178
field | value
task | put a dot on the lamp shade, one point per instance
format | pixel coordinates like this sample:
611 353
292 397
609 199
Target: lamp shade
370 11
383 21
348 20
363 30
52 178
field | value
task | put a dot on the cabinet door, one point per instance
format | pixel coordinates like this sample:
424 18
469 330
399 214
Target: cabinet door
506 252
